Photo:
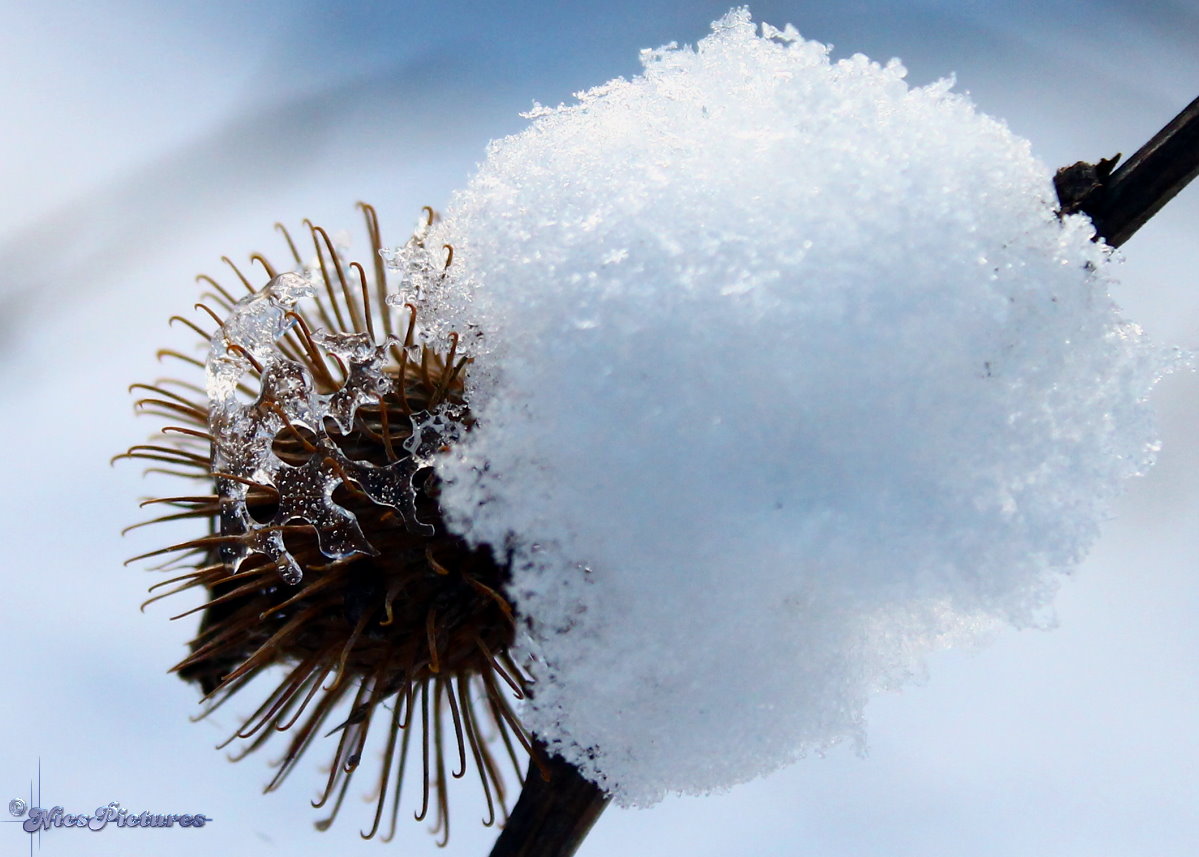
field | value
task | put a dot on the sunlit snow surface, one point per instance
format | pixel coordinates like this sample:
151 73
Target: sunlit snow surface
789 375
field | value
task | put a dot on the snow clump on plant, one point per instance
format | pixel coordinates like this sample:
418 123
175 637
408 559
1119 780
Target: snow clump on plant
786 374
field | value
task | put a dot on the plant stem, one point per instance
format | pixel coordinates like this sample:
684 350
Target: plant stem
554 813
1120 202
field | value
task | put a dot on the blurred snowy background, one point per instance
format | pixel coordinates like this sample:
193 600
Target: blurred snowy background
143 141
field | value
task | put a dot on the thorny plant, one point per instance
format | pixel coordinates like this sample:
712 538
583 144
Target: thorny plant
404 624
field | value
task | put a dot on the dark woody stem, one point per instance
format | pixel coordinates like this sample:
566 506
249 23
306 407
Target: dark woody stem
1120 201
553 814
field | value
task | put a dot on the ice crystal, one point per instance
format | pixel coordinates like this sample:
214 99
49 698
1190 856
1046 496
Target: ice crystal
288 403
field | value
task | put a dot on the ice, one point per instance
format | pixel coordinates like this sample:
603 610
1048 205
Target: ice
255 323
422 269
245 427
786 374
366 383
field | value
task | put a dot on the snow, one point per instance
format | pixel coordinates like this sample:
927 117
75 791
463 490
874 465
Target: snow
789 375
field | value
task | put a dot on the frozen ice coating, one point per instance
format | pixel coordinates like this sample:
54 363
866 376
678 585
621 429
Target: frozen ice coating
244 426
788 376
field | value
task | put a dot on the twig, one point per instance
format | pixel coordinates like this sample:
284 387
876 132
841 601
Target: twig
552 815
1120 201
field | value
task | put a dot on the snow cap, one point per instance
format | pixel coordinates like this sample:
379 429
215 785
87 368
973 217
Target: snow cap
786 374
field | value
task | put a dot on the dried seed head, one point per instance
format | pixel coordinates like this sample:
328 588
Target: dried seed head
326 564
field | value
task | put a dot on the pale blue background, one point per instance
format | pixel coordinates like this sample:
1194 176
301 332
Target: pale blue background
141 141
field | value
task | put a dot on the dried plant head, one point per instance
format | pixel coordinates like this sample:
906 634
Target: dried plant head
306 444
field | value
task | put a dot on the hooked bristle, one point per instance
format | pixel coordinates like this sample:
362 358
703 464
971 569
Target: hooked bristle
324 551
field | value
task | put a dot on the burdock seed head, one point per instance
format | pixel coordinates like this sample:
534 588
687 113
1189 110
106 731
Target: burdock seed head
327 567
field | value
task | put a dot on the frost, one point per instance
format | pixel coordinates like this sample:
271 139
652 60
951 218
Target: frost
537 110
788 375
420 277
